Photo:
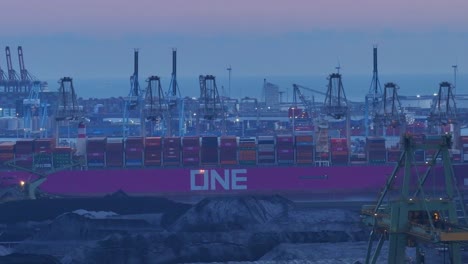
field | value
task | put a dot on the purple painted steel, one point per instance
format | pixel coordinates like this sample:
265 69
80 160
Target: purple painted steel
346 180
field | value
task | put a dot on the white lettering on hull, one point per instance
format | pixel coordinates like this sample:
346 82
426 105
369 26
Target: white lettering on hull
209 179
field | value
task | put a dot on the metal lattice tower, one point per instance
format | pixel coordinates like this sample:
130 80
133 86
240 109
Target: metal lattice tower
210 104
374 96
389 112
13 78
415 212
132 103
156 106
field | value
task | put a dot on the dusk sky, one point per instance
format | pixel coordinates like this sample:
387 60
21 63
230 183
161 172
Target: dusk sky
95 39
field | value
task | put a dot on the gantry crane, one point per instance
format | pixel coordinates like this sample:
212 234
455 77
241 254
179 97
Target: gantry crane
174 99
444 110
31 107
248 111
68 109
132 102
414 215
373 97
156 107
26 78
13 78
210 106
3 79
309 105
389 111
336 104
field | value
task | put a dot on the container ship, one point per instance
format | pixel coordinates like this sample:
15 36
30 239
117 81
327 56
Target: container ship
163 144
197 166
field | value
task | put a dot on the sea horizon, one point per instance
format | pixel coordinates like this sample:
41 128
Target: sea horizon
355 86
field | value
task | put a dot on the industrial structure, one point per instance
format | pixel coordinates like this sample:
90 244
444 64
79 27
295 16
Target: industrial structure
389 112
133 102
373 98
444 115
156 108
211 113
408 213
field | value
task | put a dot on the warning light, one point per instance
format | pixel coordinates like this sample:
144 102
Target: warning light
22 183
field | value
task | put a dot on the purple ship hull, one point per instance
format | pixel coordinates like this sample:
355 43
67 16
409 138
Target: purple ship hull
338 180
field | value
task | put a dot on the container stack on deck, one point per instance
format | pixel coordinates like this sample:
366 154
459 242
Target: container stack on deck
322 146
7 152
114 152
464 146
393 155
419 154
376 151
213 151
62 156
247 151
304 149
171 151
191 151
209 151
339 151
134 151
23 153
153 150
285 149
430 153
228 150
266 150
43 149
96 151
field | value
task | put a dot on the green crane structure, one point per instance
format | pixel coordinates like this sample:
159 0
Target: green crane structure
412 217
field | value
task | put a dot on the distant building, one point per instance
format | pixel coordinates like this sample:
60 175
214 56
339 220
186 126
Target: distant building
271 92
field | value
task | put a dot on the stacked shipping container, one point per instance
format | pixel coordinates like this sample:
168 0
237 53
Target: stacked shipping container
62 156
96 151
7 152
134 151
247 151
304 149
228 150
393 155
419 154
191 151
266 150
285 149
171 151
376 151
153 149
209 151
23 153
339 151
114 152
464 148
156 151
43 149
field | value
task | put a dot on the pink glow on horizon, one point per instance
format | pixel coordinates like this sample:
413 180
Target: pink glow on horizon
219 16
